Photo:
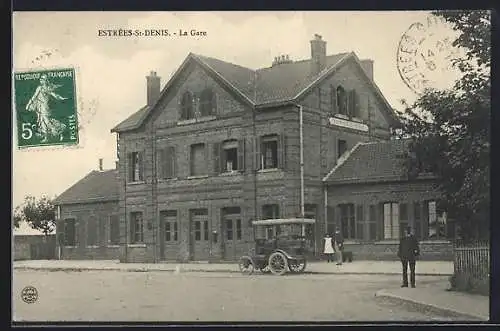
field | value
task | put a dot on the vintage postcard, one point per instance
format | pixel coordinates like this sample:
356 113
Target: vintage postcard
281 166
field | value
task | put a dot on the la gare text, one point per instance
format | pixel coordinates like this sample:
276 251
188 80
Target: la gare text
150 33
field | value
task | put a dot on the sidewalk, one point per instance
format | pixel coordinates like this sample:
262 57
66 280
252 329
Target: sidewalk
424 268
434 297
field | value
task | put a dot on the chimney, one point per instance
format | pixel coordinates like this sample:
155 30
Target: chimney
153 88
318 54
367 65
100 164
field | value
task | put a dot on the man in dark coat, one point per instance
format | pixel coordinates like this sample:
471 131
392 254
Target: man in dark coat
408 252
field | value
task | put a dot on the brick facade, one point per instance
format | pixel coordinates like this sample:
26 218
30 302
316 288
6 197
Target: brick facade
83 213
247 189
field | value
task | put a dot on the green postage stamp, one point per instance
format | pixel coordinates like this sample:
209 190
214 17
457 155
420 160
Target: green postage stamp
45 105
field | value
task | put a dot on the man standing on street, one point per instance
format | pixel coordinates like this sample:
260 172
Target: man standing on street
339 245
408 252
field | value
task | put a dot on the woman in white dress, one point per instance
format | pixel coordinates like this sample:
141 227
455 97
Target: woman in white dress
328 248
39 103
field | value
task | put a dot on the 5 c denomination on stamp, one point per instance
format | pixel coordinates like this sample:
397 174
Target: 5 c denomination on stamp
425 54
46 107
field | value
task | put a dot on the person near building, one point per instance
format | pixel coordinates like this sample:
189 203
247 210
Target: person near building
339 245
408 253
328 248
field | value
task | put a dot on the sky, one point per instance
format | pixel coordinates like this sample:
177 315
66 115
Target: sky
111 71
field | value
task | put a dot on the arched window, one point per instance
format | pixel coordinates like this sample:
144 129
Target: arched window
341 101
207 102
187 106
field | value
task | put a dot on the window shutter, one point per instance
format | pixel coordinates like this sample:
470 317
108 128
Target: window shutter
214 103
222 158
333 99
159 164
180 107
130 166
141 165
241 155
356 104
131 229
167 169
330 220
257 156
216 150
172 161
282 151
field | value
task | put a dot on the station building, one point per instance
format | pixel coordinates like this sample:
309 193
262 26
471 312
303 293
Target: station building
221 145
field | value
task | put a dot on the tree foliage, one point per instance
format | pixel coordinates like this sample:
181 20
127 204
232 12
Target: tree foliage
450 129
39 213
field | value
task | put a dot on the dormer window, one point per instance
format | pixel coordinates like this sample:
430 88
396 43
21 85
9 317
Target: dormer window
187 106
341 101
207 102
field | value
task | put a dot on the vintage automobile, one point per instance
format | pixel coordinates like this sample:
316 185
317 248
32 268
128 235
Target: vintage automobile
281 245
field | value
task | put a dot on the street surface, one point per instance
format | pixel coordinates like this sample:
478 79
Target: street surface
198 296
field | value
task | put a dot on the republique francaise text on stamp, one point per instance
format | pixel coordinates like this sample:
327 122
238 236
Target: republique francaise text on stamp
45 105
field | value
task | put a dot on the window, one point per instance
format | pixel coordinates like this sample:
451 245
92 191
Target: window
437 221
199 222
341 147
136 167
170 228
166 162
372 224
341 101
200 230
198 160
391 221
136 228
347 221
229 229
114 230
92 231
187 106
360 223
207 102
310 211
230 156
269 156
70 232
403 219
270 212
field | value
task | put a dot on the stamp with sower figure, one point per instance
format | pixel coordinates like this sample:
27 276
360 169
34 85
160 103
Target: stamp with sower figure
46 107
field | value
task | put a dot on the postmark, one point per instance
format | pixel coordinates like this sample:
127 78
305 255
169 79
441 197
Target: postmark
46 107
425 55
29 294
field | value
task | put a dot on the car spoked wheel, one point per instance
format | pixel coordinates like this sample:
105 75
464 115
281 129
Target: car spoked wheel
246 265
297 266
278 263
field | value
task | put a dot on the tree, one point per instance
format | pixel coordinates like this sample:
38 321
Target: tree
450 129
40 214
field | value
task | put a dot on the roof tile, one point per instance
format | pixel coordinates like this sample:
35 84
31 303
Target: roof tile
373 161
95 186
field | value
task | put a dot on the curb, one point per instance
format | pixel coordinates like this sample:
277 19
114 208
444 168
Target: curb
76 269
430 307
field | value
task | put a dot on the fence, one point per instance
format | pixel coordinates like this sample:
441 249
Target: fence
471 264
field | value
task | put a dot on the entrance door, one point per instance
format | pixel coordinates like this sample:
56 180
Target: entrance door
232 235
199 239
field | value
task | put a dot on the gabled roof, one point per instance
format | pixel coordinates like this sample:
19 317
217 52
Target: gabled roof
373 162
96 186
263 87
